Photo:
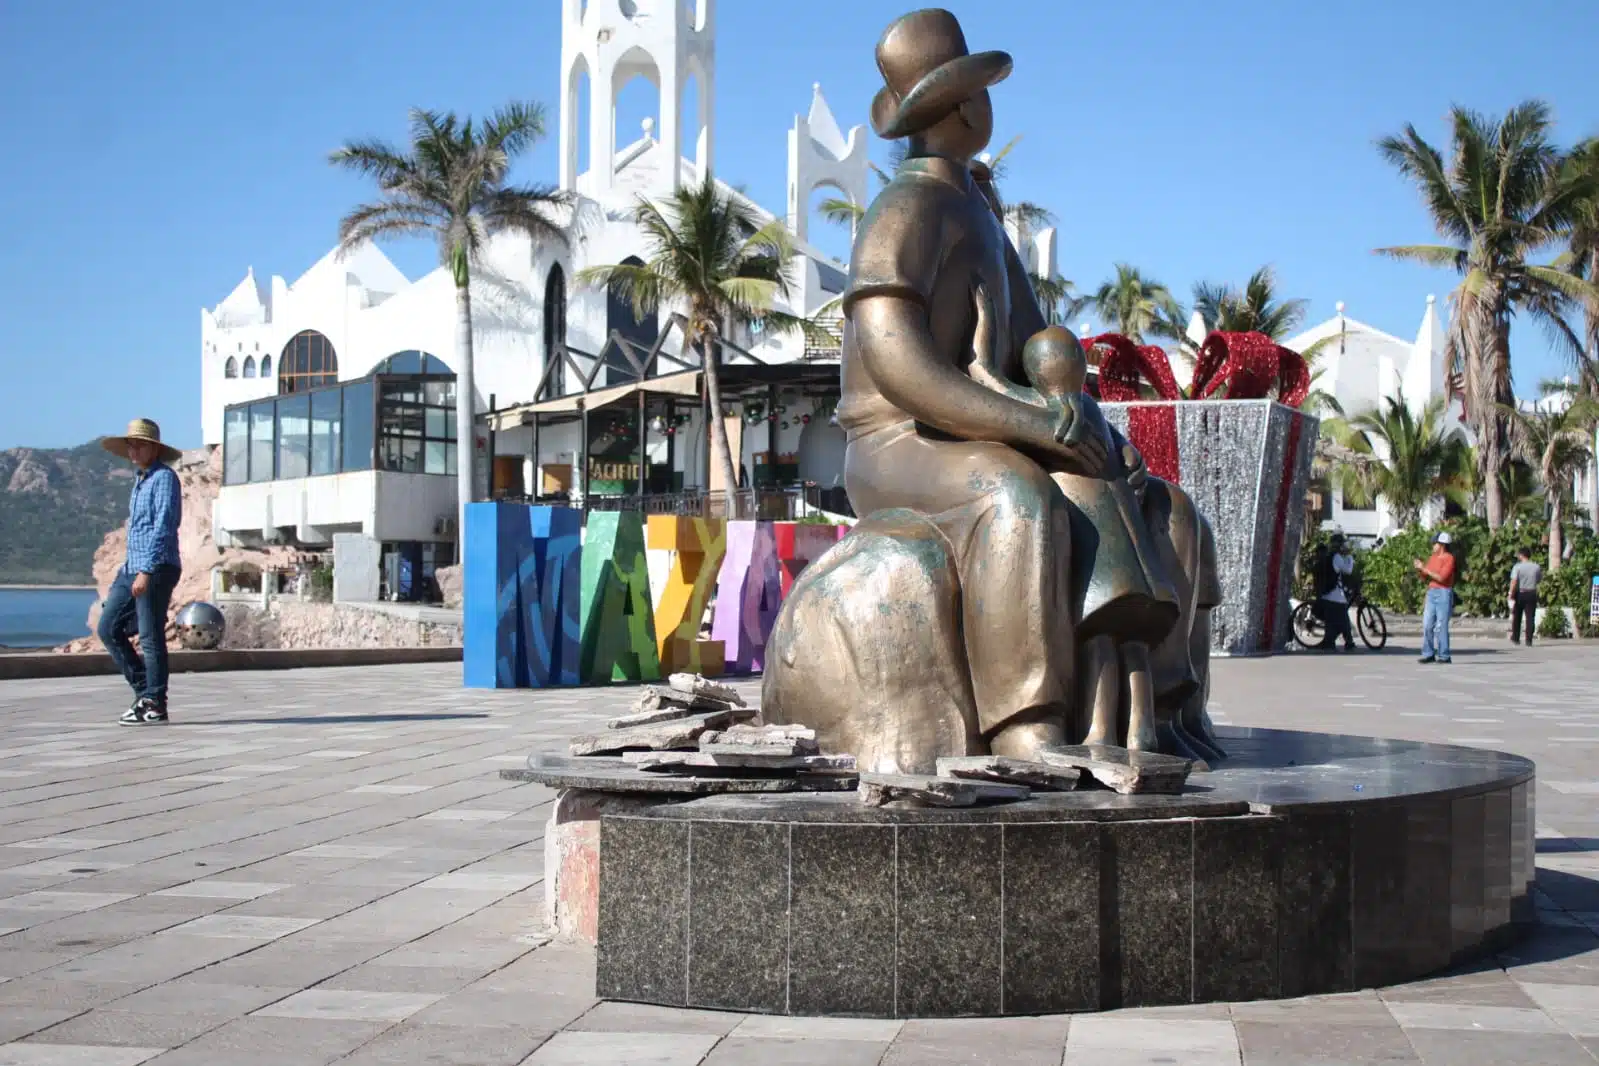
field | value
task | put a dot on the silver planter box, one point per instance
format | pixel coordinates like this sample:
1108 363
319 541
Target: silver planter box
1246 464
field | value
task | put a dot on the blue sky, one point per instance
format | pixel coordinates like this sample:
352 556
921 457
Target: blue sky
157 150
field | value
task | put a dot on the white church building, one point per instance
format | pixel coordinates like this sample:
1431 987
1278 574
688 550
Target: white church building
1361 366
333 394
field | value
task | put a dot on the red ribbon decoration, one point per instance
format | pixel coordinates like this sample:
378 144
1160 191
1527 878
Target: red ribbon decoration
1251 366
1127 364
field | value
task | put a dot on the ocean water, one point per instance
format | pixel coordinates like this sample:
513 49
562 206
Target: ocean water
40 618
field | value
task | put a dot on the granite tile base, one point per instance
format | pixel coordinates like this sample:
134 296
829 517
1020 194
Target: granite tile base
1258 884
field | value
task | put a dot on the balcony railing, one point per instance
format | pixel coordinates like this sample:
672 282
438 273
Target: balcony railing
767 505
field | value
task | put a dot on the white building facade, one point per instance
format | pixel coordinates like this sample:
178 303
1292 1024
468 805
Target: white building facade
1361 367
377 459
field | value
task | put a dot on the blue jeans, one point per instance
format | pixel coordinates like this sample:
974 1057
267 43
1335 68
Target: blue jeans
125 614
1435 623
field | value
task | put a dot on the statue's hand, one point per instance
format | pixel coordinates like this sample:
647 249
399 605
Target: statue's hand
1082 451
1137 472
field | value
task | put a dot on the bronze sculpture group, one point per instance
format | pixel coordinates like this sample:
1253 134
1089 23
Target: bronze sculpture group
1019 579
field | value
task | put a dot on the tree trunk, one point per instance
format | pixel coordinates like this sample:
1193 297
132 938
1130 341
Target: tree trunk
1493 423
1556 548
710 361
465 420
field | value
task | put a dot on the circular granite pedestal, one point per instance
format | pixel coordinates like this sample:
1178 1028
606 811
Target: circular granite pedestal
1306 863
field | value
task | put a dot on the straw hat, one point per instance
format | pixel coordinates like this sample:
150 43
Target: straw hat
929 72
141 429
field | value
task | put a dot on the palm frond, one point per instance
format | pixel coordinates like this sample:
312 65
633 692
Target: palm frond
841 211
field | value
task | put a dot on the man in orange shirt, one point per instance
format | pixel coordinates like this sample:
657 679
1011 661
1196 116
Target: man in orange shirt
1439 570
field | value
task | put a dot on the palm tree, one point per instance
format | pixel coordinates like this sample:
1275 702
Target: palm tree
1130 302
1582 249
1407 459
1502 198
1256 308
1554 442
710 253
1581 259
452 183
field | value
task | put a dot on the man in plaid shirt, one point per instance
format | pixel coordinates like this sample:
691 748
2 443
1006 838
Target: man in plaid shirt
137 602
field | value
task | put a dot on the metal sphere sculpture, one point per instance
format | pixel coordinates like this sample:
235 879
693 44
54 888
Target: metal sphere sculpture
200 626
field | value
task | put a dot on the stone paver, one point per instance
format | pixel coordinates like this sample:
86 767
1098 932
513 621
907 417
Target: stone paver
323 866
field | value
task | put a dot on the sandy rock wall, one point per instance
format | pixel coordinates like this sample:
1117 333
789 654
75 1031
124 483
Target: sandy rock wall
299 624
449 579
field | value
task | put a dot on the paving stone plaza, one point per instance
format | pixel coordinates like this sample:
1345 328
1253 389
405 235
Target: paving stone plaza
323 866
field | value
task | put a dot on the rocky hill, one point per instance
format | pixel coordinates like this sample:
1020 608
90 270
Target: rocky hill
56 506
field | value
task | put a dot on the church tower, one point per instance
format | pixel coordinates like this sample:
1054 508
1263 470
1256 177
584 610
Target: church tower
615 41
819 154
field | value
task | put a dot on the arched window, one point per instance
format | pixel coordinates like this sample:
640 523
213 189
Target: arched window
555 331
266 366
307 362
249 366
619 317
230 369
412 362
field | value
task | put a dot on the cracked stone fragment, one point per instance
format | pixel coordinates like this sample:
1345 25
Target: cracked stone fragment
1015 771
677 733
1128 772
699 761
760 740
876 790
695 685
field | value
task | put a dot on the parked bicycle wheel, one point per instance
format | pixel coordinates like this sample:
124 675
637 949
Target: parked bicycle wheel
1308 630
1373 627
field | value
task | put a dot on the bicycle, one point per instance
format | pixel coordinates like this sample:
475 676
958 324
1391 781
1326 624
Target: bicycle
1368 618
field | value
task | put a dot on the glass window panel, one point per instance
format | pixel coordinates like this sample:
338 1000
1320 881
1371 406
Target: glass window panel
438 423
236 446
263 447
409 450
294 437
432 364
449 460
449 424
439 393
325 426
357 430
434 459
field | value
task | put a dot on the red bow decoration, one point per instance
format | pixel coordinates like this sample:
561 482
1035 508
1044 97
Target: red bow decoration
1251 365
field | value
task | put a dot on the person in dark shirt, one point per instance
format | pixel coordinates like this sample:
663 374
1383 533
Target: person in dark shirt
1334 570
137 602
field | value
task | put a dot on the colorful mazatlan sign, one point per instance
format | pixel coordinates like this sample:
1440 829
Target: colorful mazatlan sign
550 603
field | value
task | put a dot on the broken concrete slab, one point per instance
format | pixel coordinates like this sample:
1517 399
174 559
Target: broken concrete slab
695 685
703 761
1127 772
877 790
676 733
1015 771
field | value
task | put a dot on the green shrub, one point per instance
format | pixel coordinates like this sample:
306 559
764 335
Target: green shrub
1553 625
1483 561
1586 629
322 584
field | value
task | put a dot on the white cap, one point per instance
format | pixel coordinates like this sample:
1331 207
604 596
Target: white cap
1443 538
